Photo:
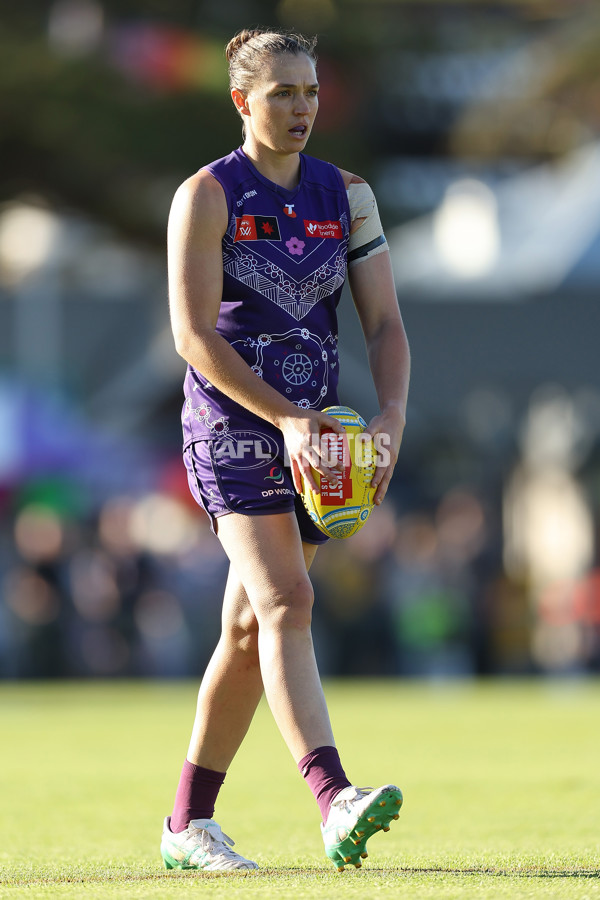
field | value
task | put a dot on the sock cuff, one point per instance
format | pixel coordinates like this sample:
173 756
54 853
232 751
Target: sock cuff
319 755
209 776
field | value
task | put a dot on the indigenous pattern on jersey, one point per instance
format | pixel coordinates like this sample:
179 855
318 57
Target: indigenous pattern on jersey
284 263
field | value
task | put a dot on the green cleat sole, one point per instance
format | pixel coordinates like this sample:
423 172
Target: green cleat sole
376 817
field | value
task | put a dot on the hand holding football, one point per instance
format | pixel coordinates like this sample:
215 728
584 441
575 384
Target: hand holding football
345 501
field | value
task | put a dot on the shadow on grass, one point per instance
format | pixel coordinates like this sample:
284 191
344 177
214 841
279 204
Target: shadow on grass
504 873
31 878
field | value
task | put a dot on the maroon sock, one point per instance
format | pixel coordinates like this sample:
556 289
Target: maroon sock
196 795
323 773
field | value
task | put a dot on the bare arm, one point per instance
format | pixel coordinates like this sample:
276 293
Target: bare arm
374 294
197 223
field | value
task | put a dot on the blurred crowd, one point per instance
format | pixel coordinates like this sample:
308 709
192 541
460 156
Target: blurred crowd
132 587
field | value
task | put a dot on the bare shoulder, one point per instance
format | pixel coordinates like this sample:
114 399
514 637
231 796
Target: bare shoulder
349 178
201 199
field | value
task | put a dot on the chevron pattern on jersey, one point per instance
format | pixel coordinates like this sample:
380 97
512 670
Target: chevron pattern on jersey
296 297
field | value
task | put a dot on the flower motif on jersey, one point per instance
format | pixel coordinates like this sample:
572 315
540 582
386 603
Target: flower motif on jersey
308 288
295 246
220 425
200 413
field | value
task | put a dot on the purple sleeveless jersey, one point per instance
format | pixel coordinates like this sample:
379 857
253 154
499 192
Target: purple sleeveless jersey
284 262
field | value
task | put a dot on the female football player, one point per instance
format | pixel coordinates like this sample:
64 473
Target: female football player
259 244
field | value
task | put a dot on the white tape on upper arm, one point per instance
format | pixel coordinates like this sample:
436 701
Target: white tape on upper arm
364 206
361 199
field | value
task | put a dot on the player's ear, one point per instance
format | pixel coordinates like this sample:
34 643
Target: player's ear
240 102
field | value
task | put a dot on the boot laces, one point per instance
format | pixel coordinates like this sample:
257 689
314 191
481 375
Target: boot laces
347 802
213 839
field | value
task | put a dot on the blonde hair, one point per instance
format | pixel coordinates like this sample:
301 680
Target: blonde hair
247 51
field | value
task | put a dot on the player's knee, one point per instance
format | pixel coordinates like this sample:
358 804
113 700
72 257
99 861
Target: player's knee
244 634
290 608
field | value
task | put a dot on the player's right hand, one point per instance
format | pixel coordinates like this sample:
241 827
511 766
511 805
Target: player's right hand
305 449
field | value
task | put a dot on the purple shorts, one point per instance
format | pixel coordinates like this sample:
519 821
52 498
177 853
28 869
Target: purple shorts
244 472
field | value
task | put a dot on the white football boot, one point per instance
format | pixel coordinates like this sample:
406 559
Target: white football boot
202 845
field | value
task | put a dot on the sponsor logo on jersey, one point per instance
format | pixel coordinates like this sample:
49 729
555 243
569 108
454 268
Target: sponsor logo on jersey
289 210
256 228
275 475
247 196
329 229
278 492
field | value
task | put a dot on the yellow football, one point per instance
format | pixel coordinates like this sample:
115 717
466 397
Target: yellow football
344 503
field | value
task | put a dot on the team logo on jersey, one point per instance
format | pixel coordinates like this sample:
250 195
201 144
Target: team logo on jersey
330 229
257 228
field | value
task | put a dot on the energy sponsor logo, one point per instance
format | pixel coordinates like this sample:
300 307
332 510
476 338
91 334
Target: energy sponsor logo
256 228
275 475
329 229
245 450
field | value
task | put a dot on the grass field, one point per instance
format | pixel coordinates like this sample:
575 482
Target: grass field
501 784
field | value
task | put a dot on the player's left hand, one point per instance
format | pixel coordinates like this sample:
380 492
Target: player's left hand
386 429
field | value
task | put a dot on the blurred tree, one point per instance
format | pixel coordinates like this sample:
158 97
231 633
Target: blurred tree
78 132
112 131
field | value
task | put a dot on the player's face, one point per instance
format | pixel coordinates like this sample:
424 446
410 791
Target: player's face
282 106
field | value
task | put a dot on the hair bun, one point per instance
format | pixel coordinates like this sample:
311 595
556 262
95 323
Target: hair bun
238 41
